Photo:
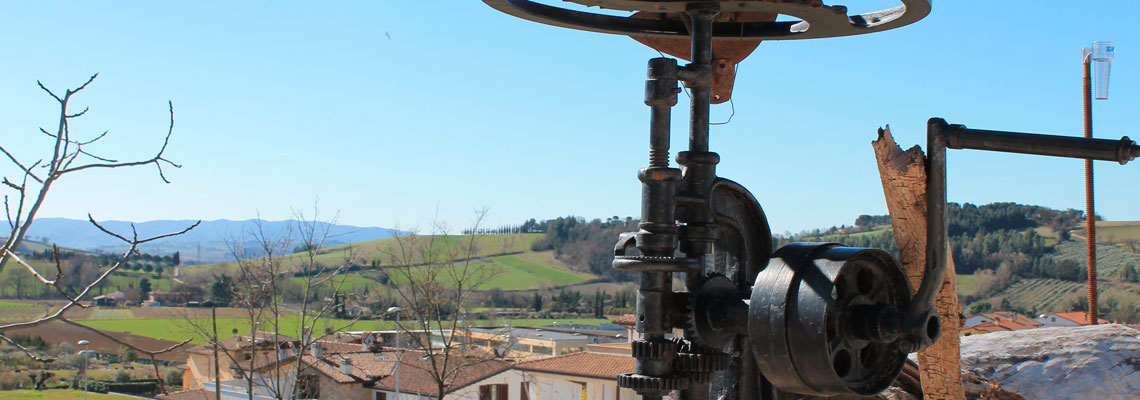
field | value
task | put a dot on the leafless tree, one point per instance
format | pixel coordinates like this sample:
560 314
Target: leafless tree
28 192
263 266
436 277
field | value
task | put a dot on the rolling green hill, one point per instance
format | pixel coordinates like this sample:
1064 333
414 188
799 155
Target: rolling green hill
516 265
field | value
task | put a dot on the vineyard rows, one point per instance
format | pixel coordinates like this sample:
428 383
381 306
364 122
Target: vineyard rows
1042 294
18 312
1109 257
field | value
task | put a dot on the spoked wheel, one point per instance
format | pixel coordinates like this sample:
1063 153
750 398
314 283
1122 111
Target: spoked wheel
817 20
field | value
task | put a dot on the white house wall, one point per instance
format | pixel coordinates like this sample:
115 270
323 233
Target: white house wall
512 378
548 386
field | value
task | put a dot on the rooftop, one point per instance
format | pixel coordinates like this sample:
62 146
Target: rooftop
585 364
528 333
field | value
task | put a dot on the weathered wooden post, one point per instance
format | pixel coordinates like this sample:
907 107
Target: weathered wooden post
904 184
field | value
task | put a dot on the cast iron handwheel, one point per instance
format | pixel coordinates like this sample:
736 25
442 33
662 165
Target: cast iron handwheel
817 20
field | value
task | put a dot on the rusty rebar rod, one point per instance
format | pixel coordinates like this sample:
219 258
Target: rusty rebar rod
1090 213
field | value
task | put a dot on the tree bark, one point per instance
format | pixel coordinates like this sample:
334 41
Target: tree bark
903 174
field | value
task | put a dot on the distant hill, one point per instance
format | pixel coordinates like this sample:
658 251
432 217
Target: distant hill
204 244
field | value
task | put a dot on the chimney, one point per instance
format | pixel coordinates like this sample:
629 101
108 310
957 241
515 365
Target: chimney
315 350
346 366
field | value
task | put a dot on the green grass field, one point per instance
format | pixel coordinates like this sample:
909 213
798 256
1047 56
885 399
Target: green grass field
382 249
1117 231
530 271
198 329
524 270
58 395
967 285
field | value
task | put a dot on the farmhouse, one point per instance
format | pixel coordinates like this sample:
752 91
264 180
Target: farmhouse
110 299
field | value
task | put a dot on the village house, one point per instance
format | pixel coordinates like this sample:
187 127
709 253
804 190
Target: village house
172 298
111 299
523 343
232 353
584 375
360 369
1074 318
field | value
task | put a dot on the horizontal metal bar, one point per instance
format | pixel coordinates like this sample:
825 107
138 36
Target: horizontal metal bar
1121 151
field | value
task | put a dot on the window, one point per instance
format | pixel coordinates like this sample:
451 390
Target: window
524 390
493 392
380 396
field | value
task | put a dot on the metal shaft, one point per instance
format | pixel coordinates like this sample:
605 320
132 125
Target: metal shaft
700 171
699 164
1121 151
1090 213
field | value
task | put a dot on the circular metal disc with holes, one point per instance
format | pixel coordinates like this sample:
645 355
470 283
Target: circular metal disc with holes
817 20
800 319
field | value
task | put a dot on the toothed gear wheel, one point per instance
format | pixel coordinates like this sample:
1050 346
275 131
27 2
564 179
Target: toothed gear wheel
700 362
644 383
652 349
715 286
701 377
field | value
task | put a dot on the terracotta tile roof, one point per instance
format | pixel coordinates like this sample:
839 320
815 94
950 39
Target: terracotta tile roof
620 348
1012 316
378 368
585 364
1079 317
196 394
242 341
415 373
626 320
331 347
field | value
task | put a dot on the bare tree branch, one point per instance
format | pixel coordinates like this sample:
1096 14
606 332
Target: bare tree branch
153 160
29 268
26 351
136 241
26 170
80 114
87 289
49 91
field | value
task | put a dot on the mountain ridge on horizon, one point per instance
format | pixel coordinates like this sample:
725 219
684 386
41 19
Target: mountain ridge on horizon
205 243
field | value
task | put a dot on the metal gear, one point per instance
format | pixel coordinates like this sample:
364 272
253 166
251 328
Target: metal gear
643 383
700 362
652 349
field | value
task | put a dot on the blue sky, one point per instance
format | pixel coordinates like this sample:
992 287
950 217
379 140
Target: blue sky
400 112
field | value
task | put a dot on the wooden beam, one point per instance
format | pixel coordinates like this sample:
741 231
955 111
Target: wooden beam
903 174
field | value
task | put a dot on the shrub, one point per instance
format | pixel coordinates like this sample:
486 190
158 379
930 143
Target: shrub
174 377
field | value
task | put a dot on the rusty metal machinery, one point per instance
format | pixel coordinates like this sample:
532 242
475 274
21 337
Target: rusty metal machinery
819 318
810 318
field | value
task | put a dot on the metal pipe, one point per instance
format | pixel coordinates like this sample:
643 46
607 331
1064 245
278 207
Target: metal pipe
701 87
1121 151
